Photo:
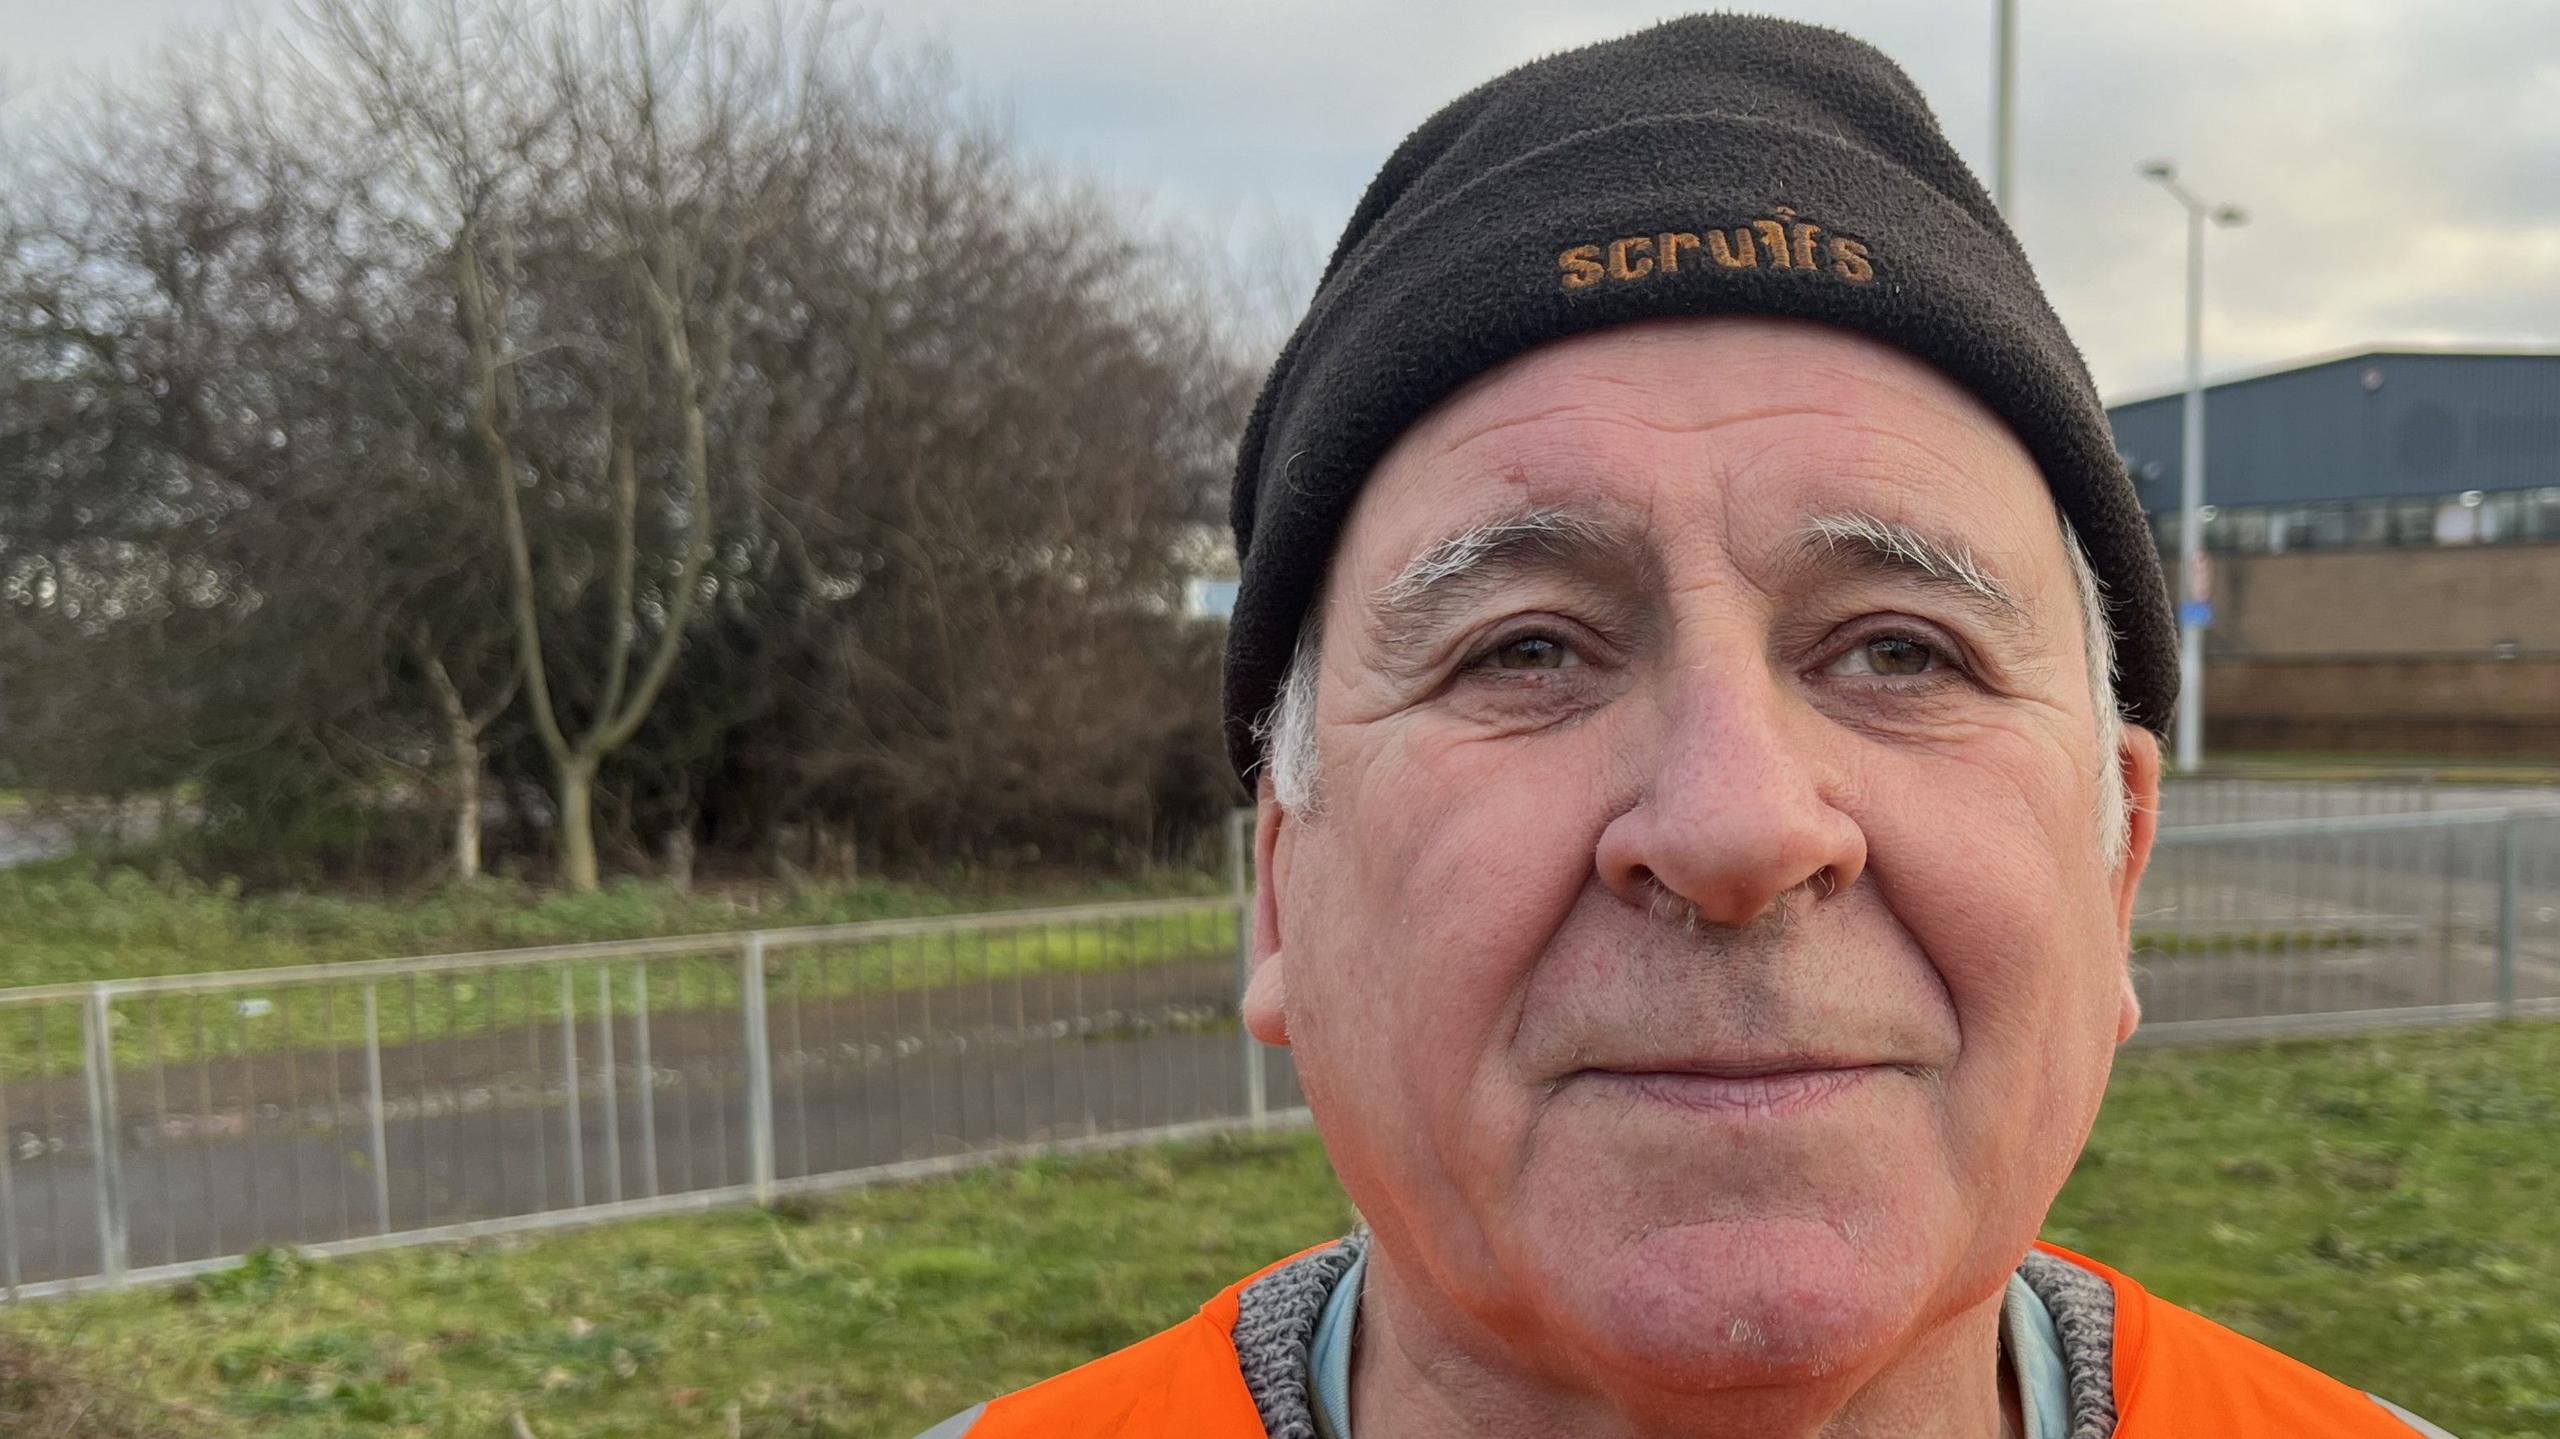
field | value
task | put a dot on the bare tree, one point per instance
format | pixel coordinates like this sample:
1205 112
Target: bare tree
636 165
705 421
252 475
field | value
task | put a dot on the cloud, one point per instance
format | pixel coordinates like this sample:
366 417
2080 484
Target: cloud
2397 164
2401 162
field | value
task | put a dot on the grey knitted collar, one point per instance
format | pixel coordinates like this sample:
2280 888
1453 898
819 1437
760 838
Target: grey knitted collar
2083 1307
1276 1330
1276 1334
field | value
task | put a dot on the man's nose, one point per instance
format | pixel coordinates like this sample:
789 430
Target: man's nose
1740 806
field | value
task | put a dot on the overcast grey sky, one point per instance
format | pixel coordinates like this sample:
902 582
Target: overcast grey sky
2400 158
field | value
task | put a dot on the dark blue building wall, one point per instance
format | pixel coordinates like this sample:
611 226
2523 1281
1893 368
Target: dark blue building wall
2387 424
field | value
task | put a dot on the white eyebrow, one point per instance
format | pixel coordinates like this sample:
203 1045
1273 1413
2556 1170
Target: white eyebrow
1461 554
1448 574
1904 548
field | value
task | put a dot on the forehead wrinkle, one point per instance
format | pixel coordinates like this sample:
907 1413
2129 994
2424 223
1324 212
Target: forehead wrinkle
1667 418
1914 439
1508 421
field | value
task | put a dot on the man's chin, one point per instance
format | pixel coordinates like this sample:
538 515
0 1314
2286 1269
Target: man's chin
1732 1304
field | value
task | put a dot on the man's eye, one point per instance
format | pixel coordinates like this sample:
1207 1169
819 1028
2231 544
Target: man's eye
1889 656
1530 652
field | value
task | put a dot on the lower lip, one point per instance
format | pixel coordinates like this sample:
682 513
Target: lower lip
1772 1096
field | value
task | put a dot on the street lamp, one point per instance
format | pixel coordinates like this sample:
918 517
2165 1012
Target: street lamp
2004 110
2193 612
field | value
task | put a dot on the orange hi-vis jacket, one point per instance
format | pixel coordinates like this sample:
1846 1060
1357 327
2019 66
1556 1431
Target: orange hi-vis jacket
2177 1374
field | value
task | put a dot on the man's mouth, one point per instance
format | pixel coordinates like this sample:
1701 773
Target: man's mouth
1771 1088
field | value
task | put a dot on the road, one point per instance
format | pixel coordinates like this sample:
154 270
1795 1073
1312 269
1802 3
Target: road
479 1140
2356 922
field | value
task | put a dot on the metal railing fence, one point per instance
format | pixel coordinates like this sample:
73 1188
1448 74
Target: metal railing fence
2241 798
2264 927
163 1126
160 1127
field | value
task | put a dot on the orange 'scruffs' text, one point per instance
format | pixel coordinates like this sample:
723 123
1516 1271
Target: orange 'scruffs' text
1783 243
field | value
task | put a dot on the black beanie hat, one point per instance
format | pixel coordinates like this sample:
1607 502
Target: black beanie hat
1714 165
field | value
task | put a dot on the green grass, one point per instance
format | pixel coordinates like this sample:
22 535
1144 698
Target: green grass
2387 1208
67 923
872 1315
70 922
2250 941
2384 1208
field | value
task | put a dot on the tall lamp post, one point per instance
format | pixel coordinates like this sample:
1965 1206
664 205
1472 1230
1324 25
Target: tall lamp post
2004 109
2193 611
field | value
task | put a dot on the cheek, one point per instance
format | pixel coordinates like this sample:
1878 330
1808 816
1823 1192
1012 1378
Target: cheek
1422 904
1993 870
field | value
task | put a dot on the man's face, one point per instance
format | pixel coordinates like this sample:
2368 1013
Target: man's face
1703 960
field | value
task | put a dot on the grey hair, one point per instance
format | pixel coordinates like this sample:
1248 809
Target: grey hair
1287 731
2115 792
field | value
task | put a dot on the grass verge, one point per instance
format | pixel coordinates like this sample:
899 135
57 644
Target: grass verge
70 924
2385 1208
69 921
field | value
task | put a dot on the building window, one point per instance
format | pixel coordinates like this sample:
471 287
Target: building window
2458 517
2541 515
2501 518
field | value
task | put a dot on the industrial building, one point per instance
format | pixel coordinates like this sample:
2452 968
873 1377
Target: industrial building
2382 532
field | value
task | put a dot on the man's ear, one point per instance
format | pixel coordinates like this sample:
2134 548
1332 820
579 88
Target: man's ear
2138 761
1266 993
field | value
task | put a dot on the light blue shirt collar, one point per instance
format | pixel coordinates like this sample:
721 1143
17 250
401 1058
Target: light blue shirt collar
2034 1351
1330 1358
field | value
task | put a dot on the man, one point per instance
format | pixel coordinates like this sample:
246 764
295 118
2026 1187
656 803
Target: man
1690 619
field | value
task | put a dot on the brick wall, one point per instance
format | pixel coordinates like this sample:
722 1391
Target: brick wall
2387 650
